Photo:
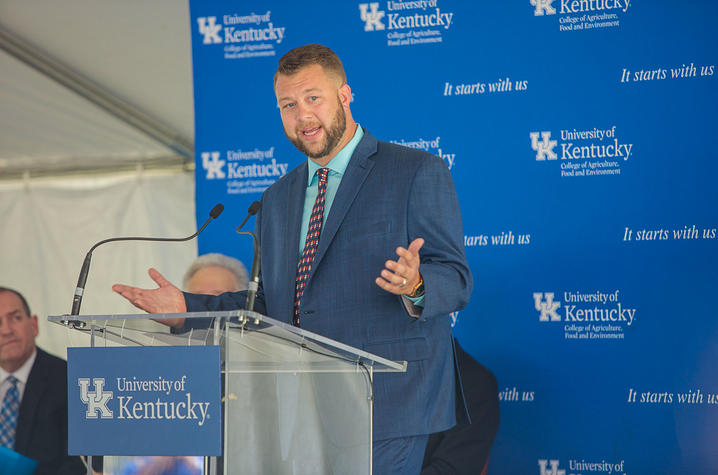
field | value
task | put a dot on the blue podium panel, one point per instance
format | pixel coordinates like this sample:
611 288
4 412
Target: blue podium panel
144 401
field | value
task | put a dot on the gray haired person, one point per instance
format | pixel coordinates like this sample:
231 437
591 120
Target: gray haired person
211 274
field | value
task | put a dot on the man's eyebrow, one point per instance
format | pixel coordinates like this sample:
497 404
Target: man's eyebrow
305 91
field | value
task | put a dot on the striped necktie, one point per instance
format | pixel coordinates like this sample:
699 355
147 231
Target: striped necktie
312 242
8 414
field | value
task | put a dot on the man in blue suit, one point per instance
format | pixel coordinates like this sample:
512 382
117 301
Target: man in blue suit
330 261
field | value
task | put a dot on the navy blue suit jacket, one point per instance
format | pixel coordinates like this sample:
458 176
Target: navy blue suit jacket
388 196
464 449
41 431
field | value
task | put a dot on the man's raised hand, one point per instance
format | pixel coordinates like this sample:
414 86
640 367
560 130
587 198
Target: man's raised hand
401 276
165 299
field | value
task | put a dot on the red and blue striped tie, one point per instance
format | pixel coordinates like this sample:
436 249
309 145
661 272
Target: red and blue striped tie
312 242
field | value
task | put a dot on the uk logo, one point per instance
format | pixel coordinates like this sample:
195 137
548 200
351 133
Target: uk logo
543 149
547 307
210 30
554 470
543 7
213 165
371 18
96 401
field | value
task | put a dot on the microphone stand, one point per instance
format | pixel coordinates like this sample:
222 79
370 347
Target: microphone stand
253 284
84 271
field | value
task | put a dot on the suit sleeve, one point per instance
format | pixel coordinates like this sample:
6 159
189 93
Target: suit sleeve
435 216
218 303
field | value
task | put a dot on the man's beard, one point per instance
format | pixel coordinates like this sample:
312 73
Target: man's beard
333 135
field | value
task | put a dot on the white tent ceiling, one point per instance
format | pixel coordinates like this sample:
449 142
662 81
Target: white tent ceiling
134 55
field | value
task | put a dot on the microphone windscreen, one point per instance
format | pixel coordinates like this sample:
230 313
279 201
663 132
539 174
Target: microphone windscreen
253 208
217 210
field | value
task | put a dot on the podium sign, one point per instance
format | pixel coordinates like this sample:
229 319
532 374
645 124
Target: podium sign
153 400
295 403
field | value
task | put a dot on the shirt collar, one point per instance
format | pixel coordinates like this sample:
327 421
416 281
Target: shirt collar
338 164
23 373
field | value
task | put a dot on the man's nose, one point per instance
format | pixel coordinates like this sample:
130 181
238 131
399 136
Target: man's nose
304 111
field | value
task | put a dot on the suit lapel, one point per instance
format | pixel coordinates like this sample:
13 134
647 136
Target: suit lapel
357 170
294 198
36 382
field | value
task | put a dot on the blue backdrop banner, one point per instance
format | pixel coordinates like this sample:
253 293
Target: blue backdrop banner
120 405
580 137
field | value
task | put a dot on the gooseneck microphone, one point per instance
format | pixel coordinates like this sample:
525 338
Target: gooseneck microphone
77 299
253 284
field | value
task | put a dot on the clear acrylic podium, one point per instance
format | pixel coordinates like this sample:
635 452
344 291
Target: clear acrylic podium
294 402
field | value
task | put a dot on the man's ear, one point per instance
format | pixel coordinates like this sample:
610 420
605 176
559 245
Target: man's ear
35 329
345 95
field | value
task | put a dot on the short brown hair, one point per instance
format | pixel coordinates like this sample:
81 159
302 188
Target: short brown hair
307 55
